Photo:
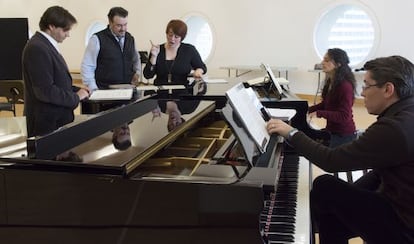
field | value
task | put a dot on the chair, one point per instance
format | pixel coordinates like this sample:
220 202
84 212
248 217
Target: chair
143 59
349 174
13 92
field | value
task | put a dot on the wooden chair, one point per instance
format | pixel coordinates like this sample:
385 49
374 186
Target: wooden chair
13 93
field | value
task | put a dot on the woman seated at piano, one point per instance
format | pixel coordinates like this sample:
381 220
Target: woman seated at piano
172 61
337 98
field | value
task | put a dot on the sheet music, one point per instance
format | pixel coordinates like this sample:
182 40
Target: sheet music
251 117
172 87
111 94
276 113
216 81
249 146
147 88
273 78
284 114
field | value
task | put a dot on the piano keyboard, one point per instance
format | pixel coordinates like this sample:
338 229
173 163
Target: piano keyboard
285 217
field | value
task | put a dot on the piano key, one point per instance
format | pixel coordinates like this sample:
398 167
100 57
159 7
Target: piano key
280 221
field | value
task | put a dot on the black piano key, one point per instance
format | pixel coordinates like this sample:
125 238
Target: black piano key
278 217
278 227
284 219
279 237
279 211
279 242
281 202
284 228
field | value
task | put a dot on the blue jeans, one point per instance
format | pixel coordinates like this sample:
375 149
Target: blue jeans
337 139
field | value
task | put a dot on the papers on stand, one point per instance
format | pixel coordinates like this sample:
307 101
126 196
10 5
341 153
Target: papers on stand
255 81
111 94
171 87
215 80
163 87
251 117
282 81
121 86
259 80
272 78
147 88
281 113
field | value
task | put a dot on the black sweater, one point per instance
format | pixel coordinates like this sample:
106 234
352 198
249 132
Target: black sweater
187 59
387 147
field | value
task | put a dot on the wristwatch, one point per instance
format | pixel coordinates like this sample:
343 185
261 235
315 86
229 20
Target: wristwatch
291 133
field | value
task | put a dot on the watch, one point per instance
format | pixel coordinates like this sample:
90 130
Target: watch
291 133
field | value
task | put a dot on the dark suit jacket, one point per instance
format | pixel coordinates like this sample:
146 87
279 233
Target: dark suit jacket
49 96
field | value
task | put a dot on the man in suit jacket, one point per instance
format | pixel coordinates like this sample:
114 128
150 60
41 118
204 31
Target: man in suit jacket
50 97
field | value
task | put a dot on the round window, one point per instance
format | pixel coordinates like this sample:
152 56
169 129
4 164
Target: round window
200 35
349 27
93 28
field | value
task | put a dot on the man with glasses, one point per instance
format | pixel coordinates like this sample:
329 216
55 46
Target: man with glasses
379 206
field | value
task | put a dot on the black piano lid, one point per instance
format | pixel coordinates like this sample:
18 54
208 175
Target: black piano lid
93 140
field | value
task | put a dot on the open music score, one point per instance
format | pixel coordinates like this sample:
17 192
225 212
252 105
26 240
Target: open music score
112 94
272 77
246 108
270 113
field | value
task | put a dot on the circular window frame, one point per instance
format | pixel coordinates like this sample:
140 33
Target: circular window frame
92 29
187 16
374 22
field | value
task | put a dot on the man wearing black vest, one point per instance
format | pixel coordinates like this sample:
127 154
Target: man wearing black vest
111 57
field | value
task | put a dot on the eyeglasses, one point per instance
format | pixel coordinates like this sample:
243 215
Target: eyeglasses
364 87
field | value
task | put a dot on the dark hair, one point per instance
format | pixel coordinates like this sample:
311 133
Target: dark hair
117 11
58 17
395 69
342 72
172 127
178 27
122 146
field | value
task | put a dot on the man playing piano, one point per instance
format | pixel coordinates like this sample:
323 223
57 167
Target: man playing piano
379 206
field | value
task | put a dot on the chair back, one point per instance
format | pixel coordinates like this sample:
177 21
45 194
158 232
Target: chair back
13 90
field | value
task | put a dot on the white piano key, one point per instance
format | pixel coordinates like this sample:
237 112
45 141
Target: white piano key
302 232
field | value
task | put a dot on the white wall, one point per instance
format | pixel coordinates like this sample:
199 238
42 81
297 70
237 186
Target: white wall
247 32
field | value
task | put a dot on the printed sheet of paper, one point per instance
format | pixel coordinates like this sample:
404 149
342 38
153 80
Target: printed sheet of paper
111 94
251 117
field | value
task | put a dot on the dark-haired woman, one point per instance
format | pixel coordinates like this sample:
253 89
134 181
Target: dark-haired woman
338 96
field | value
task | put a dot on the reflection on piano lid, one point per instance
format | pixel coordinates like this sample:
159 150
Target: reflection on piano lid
50 145
157 196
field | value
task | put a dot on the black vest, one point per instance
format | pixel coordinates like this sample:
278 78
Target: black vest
114 66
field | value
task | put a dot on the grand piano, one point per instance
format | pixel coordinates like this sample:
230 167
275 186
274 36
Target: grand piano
192 184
